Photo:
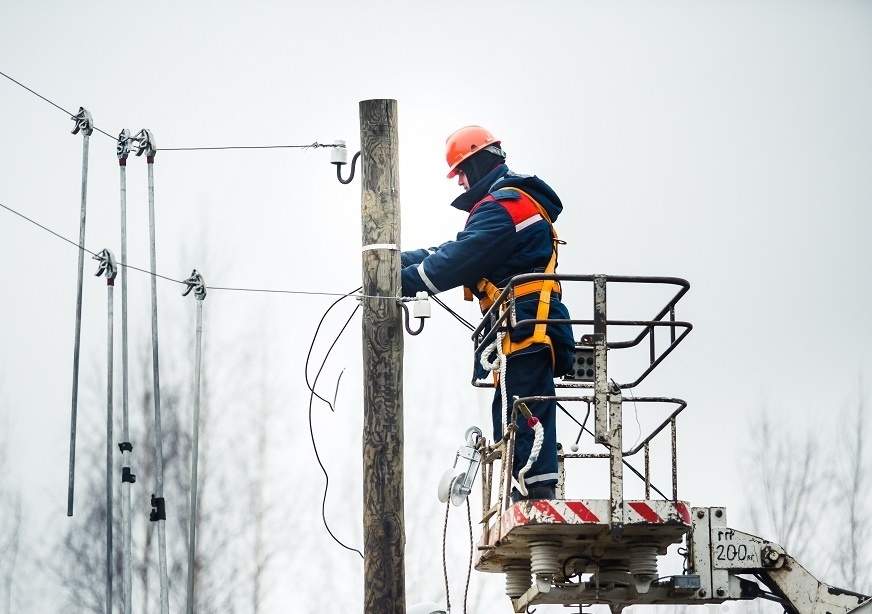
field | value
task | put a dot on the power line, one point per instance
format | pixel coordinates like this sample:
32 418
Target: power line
313 145
57 106
456 315
178 281
49 230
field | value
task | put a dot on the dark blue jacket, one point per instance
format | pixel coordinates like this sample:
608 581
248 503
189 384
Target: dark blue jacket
495 246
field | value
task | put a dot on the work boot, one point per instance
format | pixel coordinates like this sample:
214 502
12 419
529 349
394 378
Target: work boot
537 492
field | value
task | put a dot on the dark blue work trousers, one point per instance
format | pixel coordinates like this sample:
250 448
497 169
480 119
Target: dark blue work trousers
531 374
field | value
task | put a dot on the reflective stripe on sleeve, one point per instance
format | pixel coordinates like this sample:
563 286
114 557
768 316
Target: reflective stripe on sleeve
426 280
540 478
529 221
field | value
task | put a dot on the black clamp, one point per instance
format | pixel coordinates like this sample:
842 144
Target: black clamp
127 476
158 509
125 446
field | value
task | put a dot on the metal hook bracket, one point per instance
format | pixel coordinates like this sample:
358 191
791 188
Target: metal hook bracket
339 158
421 310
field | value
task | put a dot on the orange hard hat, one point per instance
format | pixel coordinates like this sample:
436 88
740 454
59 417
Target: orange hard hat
465 142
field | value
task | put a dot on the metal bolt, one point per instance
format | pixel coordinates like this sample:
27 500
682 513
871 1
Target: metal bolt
721 592
719 513
702 592
700 514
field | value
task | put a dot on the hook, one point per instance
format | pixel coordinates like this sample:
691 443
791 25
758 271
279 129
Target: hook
339 169
421 310
406 320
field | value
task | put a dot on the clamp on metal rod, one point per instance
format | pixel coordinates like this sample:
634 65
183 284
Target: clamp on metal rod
196 283
84 122
122 149
107 265
339 157
145 143
457 488
158 509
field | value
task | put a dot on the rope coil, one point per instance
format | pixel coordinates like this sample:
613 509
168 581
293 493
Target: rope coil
499 363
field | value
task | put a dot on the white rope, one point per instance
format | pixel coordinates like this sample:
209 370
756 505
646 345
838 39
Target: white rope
498 364
538 437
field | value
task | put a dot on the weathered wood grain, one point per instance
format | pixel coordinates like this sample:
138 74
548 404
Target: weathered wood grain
383 520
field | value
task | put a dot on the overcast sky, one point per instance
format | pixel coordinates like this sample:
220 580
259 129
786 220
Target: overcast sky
727 143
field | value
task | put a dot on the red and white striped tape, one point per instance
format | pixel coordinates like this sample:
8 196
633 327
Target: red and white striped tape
592 511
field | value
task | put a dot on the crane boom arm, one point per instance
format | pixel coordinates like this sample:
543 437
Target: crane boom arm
718 553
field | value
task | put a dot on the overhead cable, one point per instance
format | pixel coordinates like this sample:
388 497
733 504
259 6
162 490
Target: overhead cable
57 106
178 281
313 145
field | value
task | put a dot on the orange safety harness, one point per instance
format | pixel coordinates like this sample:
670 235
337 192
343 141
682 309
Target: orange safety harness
489 292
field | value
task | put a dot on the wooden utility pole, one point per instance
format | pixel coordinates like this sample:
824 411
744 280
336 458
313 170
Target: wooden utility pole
384 534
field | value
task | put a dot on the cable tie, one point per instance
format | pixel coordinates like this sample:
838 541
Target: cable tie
125 446
373 246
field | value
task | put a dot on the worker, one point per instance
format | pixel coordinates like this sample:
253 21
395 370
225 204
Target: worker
508 231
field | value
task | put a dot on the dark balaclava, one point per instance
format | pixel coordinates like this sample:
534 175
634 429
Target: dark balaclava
477 166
